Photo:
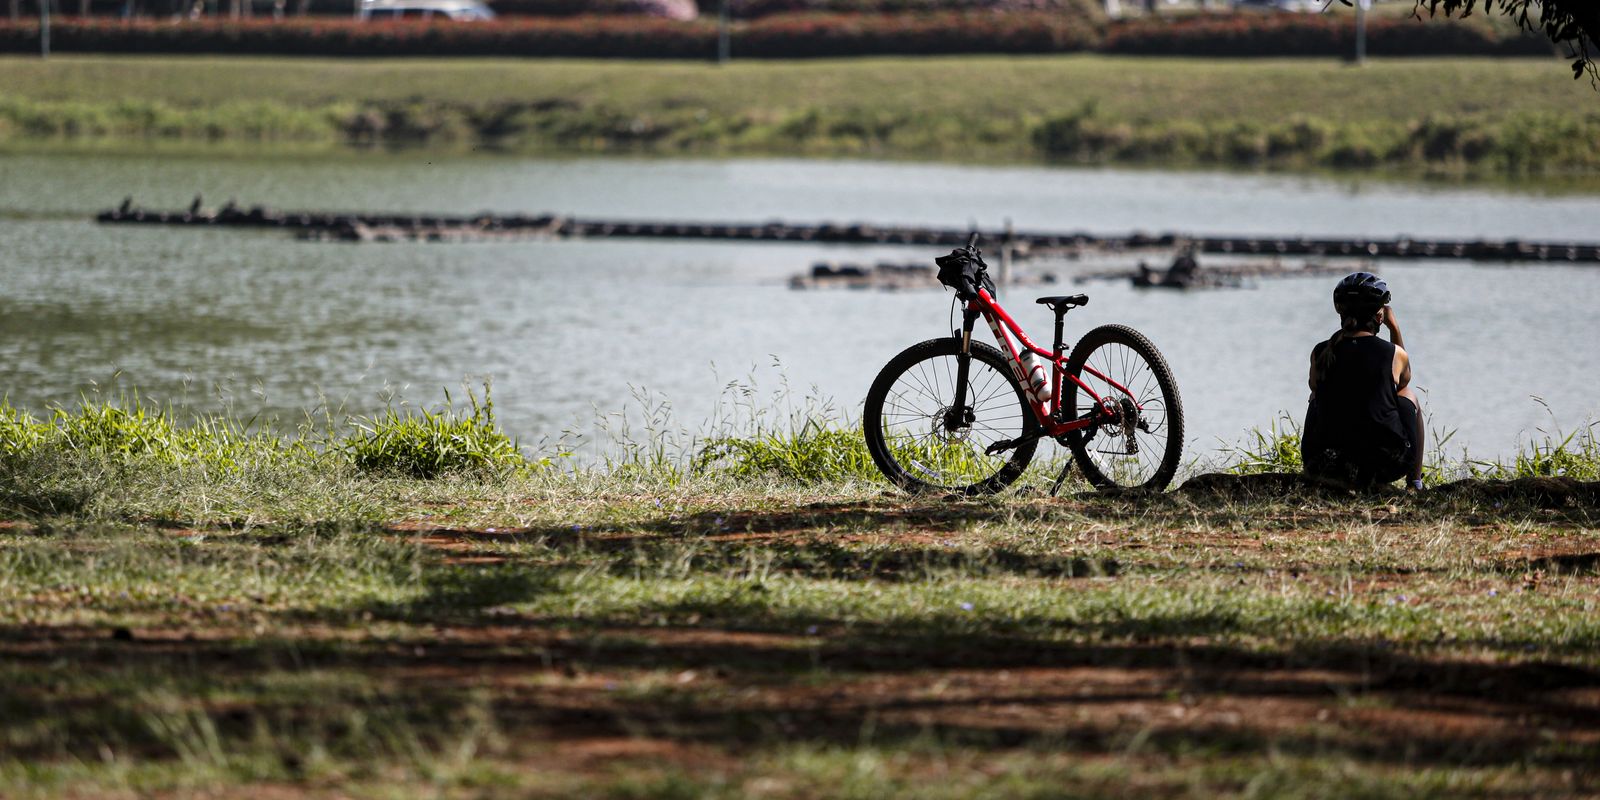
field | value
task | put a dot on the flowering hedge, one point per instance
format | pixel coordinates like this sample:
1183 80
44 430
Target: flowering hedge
667 9
1089 10
638 37
593 37
1314 35
798 36
781 36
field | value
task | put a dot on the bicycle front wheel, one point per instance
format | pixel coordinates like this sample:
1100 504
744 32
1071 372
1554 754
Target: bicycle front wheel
922 442
1139 439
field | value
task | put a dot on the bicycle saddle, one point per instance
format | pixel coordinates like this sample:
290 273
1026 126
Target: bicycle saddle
1061 303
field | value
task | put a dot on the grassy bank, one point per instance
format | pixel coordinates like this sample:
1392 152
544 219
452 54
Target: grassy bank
219 609
1446 114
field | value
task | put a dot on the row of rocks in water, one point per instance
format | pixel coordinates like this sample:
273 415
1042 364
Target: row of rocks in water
363 227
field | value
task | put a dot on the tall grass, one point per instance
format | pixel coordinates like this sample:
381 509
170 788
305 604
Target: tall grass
1276 449
65 461
818 452
128 458
427 444
1575 455
73 459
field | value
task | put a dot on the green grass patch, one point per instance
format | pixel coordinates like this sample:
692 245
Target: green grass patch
426 444
816 452
1449 114
1575 455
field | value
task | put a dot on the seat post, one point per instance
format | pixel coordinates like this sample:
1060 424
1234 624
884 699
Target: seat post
1061 305
1061 316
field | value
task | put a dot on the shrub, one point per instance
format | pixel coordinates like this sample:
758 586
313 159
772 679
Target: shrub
821 35
59 465
666 9
1087 10
603 37
812 454
20 433
791 36
784 29
429 444
1068 135
1313 35
1576 456
1300 136
1276 449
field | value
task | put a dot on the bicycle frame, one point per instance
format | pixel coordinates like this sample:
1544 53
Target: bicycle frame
1050 416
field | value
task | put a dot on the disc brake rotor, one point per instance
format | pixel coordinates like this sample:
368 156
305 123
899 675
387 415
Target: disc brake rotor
952 424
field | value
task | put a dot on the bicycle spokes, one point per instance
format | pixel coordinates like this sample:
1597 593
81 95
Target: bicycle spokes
922 439
958 415
1132 439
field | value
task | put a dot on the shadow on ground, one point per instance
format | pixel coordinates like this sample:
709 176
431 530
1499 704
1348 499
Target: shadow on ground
735 690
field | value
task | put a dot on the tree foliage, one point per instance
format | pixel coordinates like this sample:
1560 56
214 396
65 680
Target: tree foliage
1574 23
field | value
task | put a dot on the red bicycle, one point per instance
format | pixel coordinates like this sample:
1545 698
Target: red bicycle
955 415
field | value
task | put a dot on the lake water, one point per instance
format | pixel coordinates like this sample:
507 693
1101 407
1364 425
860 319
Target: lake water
574 331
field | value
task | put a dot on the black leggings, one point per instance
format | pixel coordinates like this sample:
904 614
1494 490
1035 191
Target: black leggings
1411 423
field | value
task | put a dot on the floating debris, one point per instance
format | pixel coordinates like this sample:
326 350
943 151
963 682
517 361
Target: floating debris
1192 275
893 277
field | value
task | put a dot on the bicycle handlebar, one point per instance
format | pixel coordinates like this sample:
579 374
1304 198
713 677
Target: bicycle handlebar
972 250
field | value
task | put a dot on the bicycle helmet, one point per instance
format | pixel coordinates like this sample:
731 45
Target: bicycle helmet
1360 293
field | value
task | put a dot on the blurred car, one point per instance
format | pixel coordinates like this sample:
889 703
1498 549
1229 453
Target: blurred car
1301 6
453 10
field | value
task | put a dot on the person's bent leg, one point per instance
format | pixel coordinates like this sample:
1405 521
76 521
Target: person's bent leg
1411 418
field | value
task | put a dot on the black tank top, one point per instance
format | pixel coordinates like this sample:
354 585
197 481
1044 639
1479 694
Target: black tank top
1354 417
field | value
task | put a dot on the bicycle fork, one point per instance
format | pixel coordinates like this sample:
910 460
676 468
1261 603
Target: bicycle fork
960 415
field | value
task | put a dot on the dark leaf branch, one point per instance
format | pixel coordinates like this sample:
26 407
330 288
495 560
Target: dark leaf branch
1572 23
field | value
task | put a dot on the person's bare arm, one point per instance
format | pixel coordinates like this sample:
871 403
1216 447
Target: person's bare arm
1402 359
1393 325
1311 379
1402 368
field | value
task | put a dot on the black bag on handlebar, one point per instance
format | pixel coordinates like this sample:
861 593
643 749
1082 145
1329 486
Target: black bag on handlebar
961 271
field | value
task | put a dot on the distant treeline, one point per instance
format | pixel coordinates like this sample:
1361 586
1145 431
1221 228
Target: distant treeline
780 36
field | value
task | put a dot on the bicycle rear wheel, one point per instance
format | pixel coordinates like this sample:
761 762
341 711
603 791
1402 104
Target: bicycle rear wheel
922 444
1139 441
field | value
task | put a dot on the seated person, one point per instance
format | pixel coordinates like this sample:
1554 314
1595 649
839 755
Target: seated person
1364 425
